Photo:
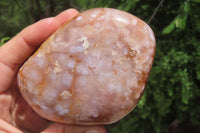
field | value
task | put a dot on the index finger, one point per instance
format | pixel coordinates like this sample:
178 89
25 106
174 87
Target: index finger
18 49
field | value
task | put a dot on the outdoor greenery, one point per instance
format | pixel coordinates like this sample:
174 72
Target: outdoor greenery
172 95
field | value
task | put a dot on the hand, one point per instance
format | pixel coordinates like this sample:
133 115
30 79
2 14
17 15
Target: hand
14 110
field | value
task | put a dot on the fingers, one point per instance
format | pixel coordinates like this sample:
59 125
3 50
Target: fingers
60 128
66 15
7 128
5 105
18 49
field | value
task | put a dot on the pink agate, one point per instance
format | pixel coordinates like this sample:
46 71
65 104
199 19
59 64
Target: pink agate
91 71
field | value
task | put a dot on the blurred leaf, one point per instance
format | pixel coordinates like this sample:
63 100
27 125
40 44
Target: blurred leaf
128 4
180 21
186 7
169 28
4 40
142 101
4 2
197 1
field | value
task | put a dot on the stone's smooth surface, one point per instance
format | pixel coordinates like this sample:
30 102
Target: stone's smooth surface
91 71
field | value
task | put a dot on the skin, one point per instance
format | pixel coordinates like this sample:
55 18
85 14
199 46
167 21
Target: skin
14 110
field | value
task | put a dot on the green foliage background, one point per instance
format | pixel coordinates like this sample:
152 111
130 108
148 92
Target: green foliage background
172 96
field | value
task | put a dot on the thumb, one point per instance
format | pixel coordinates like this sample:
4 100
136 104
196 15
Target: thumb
61 128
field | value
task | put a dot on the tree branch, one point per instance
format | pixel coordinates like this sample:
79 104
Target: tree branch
155 11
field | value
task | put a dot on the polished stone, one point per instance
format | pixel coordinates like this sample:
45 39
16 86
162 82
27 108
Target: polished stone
91 71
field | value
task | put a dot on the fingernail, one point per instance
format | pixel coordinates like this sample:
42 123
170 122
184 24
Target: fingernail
92 131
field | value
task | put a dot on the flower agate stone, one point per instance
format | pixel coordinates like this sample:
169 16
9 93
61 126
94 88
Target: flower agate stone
91 71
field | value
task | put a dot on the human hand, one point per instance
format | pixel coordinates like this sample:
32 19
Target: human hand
14 110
